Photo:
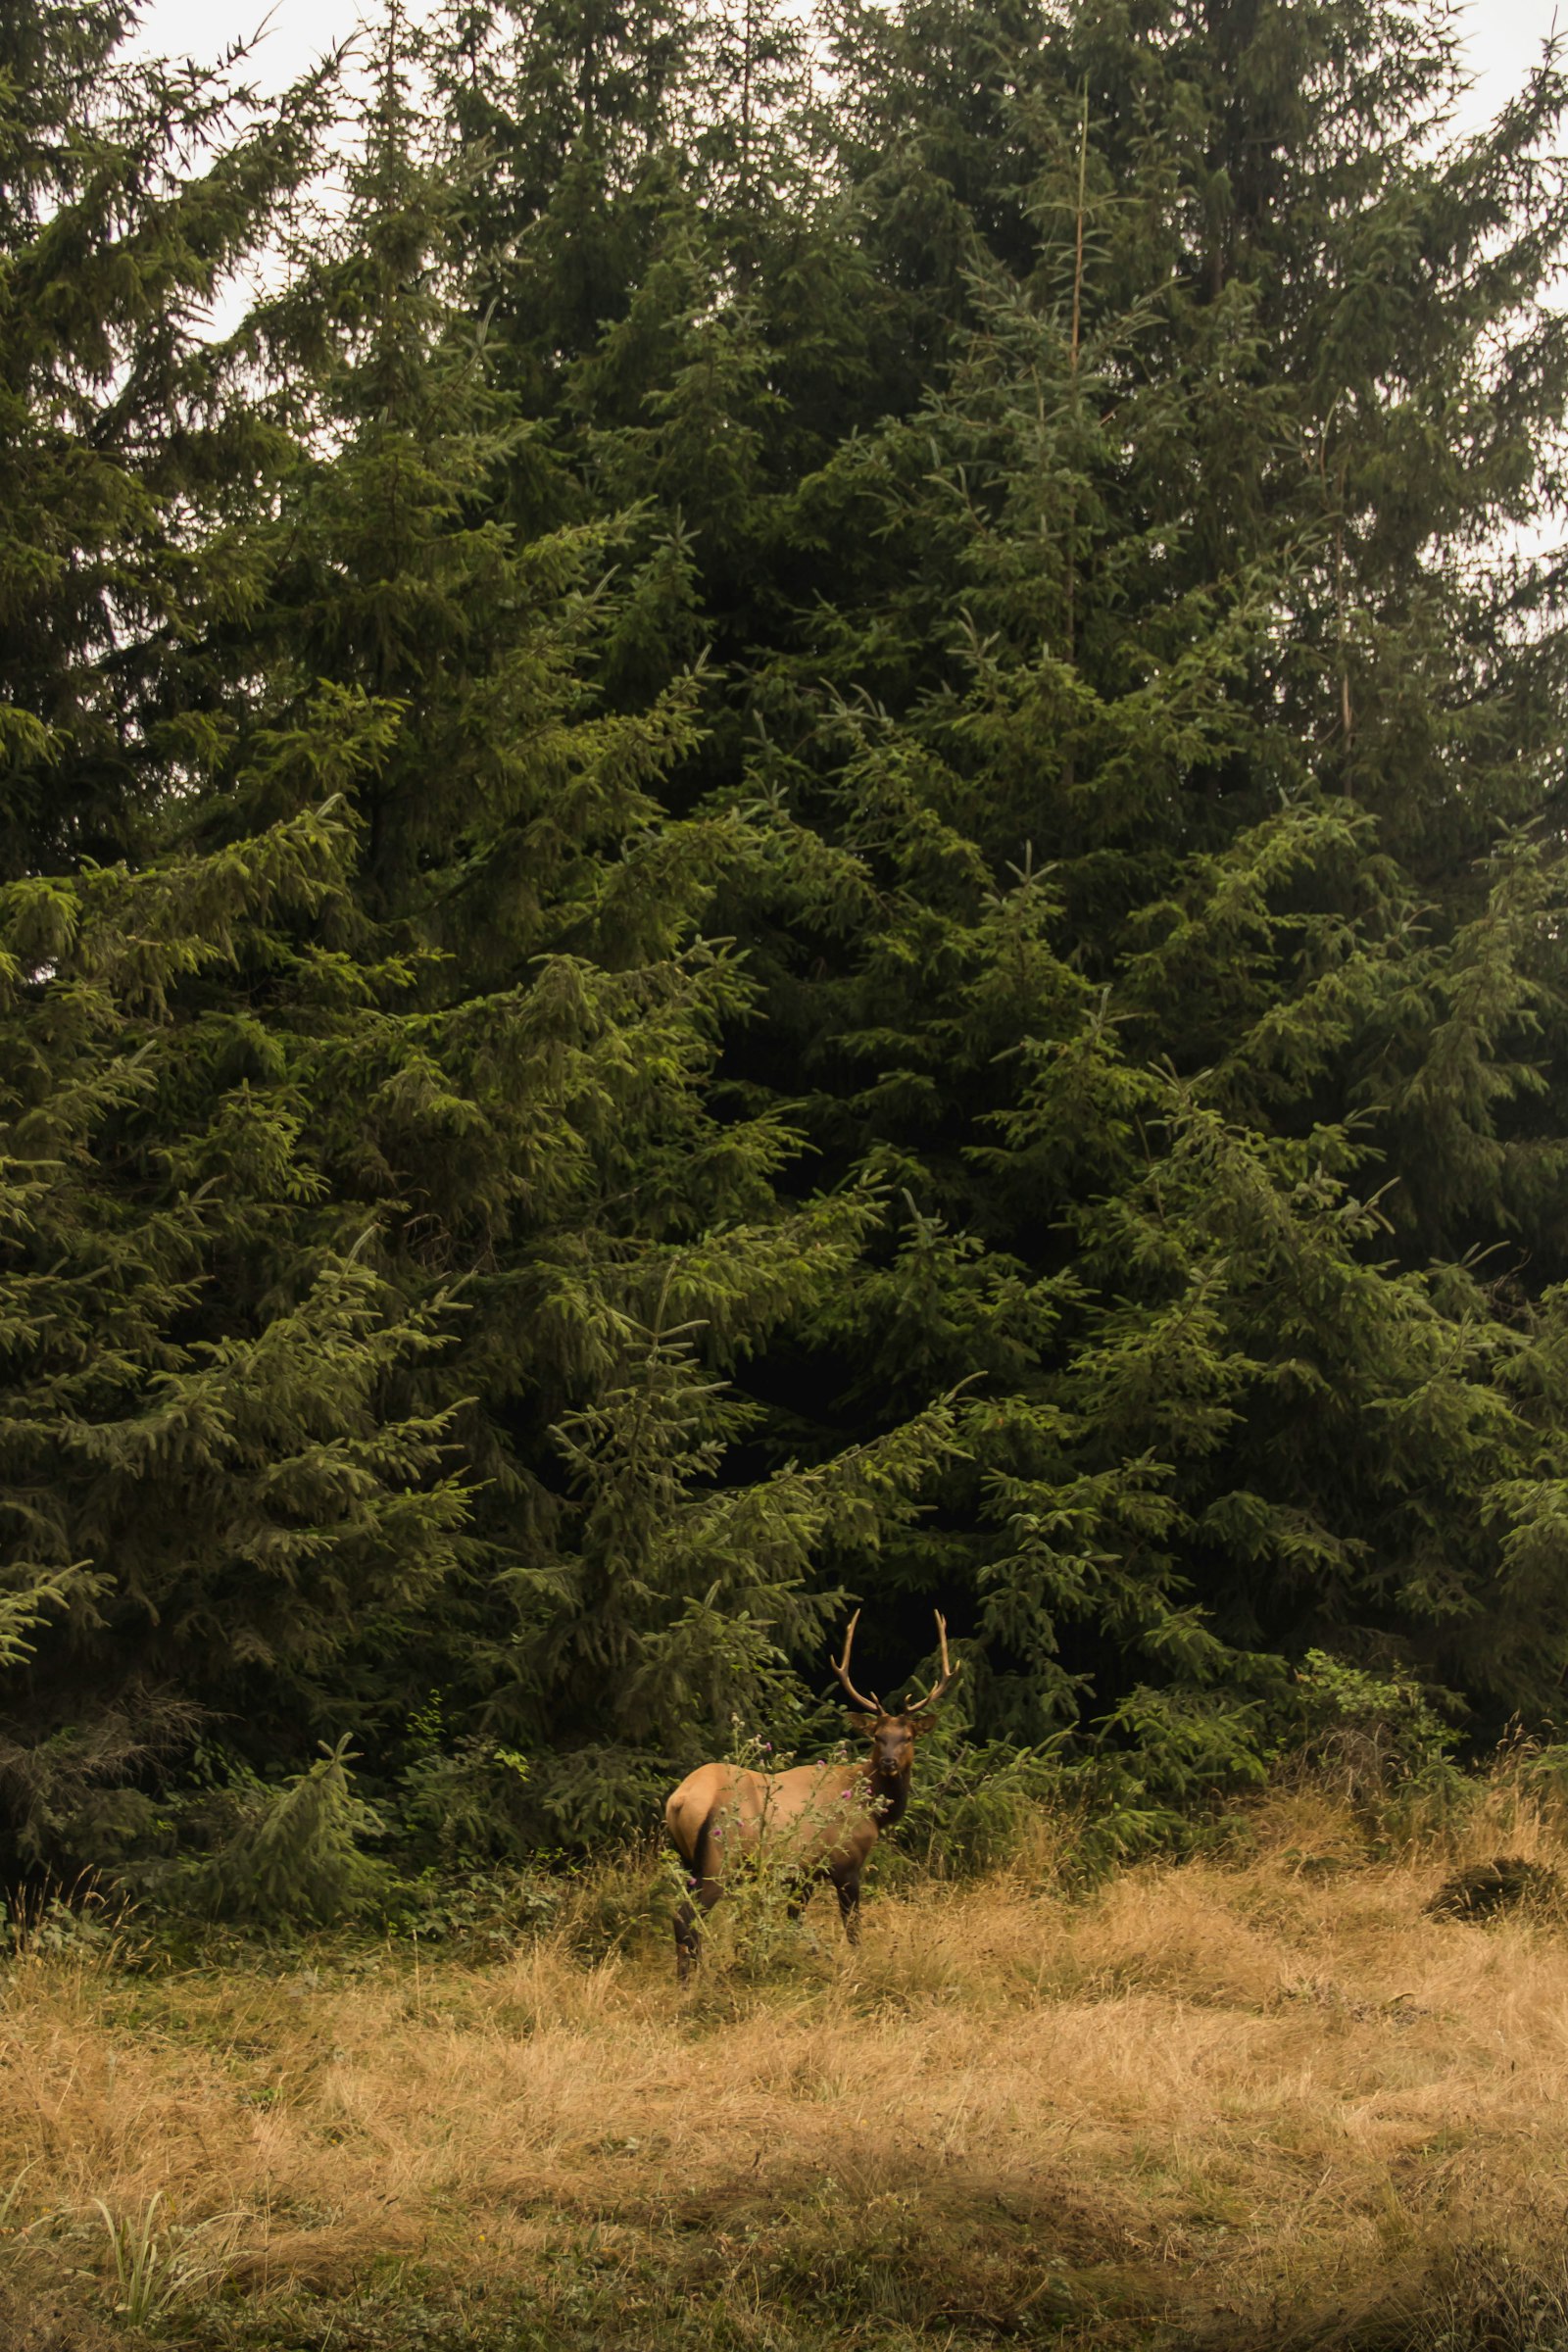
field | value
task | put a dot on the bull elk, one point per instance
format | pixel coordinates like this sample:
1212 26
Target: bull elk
819 1821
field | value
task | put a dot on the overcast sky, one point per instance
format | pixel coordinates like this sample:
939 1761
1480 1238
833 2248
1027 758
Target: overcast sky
1504 36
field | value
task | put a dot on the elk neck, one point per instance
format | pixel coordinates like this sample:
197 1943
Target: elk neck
887 1792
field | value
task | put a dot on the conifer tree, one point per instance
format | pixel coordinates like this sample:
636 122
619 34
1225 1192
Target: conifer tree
1172 951
726 337
557 1138
370 1211
758 756
203 1485
121 418
1139 729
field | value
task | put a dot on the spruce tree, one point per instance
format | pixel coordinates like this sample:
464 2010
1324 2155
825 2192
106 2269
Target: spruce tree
122 420
371 1208
1139 730
204 1488
1175 949
758 755
618 1227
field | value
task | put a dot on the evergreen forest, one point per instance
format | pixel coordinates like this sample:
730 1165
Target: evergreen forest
782 827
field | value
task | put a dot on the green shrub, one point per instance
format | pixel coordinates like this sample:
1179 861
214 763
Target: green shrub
1378 1742
292 1856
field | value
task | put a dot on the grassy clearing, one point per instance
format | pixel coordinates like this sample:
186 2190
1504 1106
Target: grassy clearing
1261 2103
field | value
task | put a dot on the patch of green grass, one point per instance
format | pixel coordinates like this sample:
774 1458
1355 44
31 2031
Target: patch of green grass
742 2291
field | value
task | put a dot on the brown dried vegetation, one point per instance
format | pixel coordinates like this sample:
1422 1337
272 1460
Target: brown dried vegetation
1259 2103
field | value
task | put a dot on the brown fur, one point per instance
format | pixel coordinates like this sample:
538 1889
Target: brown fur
819 1820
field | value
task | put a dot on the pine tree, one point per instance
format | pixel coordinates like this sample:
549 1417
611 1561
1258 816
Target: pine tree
599 1190
362 1133
1170 950
122 422
195 1362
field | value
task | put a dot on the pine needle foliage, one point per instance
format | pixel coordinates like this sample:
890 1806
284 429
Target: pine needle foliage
293 1854
1154 754
362 1130
1197 770
799 837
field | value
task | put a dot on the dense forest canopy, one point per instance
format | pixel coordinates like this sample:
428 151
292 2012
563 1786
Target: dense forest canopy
799 839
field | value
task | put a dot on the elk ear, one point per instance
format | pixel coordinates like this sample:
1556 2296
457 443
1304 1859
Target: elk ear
866 1723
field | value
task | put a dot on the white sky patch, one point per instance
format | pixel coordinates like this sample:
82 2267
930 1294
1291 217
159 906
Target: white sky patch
1504 39
294 34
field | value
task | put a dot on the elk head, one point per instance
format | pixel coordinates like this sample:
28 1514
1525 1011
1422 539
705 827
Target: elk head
893 1732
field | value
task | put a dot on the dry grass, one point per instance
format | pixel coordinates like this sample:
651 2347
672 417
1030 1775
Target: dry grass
1210 2104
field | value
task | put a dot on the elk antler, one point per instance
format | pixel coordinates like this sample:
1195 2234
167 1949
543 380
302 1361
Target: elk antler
949 1674
841 1667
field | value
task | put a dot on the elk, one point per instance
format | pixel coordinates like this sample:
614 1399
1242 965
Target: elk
821 1820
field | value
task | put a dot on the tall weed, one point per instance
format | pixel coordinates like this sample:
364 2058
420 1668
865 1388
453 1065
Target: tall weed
158 2264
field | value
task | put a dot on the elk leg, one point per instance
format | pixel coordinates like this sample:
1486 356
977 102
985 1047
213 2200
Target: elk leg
849 1894
703 1890
687 1942
704 1894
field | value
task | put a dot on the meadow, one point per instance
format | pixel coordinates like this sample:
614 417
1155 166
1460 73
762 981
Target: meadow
1258 2099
